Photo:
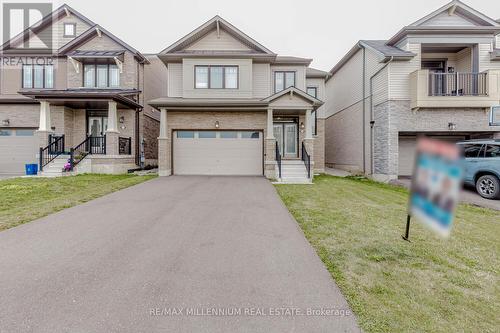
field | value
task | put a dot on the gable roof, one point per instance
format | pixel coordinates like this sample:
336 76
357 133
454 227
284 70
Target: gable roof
460 8
91 33
479 22
294 91
387 50
216 22
44 22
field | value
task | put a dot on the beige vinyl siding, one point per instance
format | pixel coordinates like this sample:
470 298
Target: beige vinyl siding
57 28
444 19
464 63
222 41
261 84
344 139
485 62
155 78
399 73
300 75
244 89
497 41
344 88
319 84
174 85
381 87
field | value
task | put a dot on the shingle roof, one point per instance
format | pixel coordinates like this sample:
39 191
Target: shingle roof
96 54
292 60
387 50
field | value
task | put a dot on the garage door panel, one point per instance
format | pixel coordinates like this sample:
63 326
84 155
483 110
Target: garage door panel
219 156
16 151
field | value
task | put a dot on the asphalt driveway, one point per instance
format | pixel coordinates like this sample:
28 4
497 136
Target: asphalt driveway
177 254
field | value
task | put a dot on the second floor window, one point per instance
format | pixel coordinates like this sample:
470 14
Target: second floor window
283 80
312 91
101 76
38 76
216 77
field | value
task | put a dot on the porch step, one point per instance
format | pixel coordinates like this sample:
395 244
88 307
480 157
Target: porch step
54 168
294 172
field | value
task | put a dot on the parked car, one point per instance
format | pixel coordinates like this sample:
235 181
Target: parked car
482 166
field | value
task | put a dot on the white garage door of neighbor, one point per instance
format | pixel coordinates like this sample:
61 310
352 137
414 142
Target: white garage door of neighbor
218 153
17 148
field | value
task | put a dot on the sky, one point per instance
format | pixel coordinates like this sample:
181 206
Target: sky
318 29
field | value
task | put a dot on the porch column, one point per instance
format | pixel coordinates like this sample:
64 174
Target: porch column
308 138
44 127
112 132
270 152
164 162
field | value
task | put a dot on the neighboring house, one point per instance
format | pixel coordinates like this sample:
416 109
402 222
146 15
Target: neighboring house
85 94
437 77
233 107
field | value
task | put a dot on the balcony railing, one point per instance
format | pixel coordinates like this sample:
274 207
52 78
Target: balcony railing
454 90
458 84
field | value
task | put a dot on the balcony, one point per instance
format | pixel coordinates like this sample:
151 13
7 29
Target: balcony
454 90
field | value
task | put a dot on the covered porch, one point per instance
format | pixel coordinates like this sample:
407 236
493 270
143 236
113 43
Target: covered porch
238 137
87 130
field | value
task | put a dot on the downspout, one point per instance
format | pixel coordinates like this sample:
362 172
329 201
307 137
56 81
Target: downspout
372 121
364 108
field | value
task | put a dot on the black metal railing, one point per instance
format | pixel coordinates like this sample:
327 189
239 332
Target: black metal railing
91 145
53 149
307 160
458 84
125 146
278 159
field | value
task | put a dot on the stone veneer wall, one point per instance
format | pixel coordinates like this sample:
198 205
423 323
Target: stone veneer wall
319 147
151 132
393 117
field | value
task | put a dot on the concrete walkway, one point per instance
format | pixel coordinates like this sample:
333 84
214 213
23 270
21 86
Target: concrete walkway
177 254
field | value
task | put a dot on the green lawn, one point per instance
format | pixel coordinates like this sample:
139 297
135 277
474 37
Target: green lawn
26 199
428 285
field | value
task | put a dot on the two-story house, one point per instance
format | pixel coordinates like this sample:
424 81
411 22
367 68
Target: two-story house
233 107
79 100
437 77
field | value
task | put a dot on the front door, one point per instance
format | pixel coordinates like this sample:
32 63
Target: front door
96 128
286 135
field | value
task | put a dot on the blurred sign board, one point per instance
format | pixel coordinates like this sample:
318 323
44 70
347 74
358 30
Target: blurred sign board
437 179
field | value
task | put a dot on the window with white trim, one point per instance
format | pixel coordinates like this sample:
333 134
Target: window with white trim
38 76
101 76
216 77
69 29
283 80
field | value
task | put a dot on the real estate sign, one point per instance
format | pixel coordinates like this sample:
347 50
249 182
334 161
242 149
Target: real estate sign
437 179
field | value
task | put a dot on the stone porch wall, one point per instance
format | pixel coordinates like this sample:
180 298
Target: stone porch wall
151 132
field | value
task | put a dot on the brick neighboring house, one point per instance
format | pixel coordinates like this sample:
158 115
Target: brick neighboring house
89 90
233 107
438 77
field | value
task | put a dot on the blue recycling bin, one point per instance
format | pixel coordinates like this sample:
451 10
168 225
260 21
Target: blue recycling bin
31 169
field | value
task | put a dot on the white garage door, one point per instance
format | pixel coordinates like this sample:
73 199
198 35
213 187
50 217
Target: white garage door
408 147
218 153
17 147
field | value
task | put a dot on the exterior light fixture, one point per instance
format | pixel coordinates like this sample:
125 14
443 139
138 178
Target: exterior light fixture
122 119
5 122
452 126
302 126
216 124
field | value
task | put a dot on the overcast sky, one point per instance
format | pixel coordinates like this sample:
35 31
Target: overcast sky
321 30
